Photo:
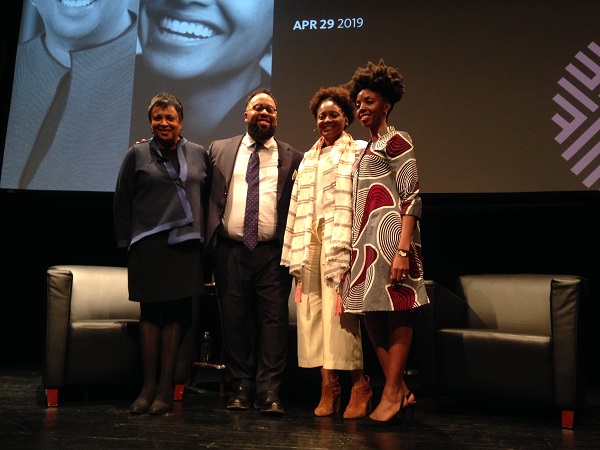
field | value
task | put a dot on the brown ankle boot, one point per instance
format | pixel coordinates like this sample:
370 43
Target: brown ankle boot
360 400
330 399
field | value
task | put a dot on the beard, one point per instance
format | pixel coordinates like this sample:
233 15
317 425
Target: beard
258 134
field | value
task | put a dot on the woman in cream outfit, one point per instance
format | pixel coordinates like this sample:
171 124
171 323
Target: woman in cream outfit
317 251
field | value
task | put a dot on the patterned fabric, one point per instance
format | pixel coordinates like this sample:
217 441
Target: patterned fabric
337 205
386 187
251 215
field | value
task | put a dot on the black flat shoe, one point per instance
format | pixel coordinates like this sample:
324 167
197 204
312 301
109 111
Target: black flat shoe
140 406
160 407
268 403
240 399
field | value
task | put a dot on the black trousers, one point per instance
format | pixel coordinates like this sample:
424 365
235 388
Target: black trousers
253 291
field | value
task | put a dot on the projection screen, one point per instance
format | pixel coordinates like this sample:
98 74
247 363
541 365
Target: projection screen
501 96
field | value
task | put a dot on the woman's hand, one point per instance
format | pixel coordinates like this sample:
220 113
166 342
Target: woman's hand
399 269
400 264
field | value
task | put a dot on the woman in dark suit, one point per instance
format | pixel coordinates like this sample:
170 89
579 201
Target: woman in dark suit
158 210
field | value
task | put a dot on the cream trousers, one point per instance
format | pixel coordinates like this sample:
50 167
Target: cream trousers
324 339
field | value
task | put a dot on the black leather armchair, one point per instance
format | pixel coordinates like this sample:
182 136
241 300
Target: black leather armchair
92 332
516 336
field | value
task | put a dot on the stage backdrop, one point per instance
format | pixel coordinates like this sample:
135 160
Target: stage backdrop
501 96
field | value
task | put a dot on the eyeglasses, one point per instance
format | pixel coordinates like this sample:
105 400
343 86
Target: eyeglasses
259 107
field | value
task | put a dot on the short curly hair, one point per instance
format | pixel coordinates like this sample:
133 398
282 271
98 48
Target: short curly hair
384 80
338 95
164 100
259 91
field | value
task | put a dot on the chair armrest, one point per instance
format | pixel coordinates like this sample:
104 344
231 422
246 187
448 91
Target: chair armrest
568 295
59 288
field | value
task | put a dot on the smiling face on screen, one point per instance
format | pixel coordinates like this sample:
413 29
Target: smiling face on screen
187 39
82 23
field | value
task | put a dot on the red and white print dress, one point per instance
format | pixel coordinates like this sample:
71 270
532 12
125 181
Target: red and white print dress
385 187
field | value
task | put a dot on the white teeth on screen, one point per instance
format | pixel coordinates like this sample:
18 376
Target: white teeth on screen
188 29
76 3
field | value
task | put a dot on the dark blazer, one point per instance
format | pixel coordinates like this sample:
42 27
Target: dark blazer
223 154
148 201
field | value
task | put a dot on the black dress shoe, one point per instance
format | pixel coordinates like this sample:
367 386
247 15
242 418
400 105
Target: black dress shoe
268 403
240 399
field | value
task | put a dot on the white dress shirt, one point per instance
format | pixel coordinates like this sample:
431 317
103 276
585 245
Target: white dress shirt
233 219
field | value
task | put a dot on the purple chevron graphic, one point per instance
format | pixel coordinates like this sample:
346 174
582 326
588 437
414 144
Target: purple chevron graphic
579 118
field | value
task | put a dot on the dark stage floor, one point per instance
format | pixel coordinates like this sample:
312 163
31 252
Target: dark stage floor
95 420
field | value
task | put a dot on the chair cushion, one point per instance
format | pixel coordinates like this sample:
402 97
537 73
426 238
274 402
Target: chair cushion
488 362
106 354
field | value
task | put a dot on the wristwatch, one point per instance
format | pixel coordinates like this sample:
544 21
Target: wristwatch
402 253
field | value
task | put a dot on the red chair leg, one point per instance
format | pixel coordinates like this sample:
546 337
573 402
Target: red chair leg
568 418
52 397
178 395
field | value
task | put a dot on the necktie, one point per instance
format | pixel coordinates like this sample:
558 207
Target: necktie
251 216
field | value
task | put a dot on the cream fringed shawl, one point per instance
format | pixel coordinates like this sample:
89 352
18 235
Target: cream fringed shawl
337 178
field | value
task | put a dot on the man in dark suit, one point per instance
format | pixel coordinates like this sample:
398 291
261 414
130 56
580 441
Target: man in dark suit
253 287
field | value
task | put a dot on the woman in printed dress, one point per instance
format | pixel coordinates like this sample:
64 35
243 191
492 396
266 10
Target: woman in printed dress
386 276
